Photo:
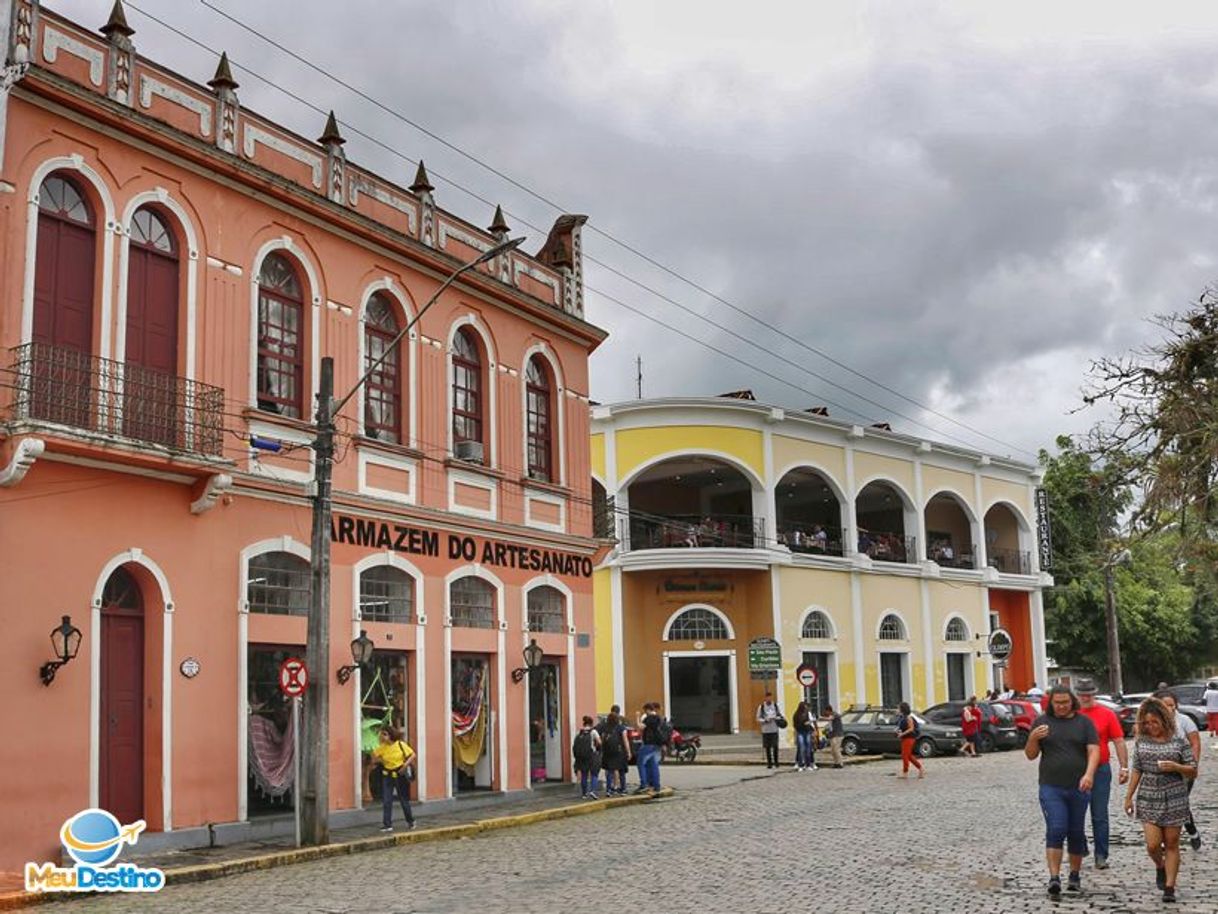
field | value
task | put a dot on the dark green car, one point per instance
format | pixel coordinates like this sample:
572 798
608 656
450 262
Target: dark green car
874 731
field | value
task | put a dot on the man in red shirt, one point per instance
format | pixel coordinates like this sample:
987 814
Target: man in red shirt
1109 730
970 726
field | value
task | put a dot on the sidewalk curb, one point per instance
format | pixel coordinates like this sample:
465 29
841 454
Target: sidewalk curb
208 871
753 763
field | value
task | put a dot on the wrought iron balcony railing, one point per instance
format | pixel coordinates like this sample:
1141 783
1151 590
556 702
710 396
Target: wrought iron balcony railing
950 554
692 531
884 546
811 539
79 390
1009 561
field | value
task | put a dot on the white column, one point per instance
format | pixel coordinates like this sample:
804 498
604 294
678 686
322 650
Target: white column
856 621
95 704
928 641
572 728
920 505
619 658
1040 663
243 723
420 705
982 548
448 697
850 536
167 719
357 690
501 704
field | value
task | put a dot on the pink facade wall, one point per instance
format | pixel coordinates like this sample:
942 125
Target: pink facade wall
94 500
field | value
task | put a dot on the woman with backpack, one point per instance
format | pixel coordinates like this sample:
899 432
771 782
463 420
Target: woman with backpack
614 754
587 752
804 722
908 729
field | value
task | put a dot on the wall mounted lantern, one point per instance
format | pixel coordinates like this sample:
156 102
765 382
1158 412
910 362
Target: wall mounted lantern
532 661
361 653
65 640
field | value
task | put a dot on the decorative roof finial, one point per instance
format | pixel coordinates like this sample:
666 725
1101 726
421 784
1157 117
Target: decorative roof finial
421 183
498 225
117 23
224 75
331 134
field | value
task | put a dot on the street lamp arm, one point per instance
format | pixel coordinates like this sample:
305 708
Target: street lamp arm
509 245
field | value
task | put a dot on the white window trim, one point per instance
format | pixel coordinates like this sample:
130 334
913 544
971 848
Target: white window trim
490 430
904 628
370 456
392 560
731 631
547 580
558 456
532 495
312 294
734 698
477 481
410 344
803 619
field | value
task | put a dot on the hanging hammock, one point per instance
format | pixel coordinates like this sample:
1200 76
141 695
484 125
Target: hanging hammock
370 727
271 755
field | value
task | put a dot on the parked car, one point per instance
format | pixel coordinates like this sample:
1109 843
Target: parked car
1024 710
998 730
1188 701
875 730
1127 714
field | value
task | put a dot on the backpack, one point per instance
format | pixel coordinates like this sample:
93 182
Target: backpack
664 731
582 748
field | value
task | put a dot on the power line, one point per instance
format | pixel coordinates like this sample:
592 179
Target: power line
482 163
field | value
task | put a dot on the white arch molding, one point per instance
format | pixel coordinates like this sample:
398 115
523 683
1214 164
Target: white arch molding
133 556
313 295
391 560
904 627
275 544
490 430
906 499
838 490
405 303
756 482
957 497
105 229
731 631
548 580
159 196
558 400
803 619
968 630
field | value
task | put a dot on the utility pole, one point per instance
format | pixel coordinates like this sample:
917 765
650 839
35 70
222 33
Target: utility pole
314 743
1115 680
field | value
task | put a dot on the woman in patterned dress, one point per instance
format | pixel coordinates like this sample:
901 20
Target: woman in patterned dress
1163 764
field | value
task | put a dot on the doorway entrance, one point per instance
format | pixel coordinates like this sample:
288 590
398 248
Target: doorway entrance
892 679
699 693
472 766
121 765
383 703
546 742
271 757
818 696
957 677
150 395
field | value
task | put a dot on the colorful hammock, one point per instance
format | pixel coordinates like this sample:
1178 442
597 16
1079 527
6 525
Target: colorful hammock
370 727
271 755
466 719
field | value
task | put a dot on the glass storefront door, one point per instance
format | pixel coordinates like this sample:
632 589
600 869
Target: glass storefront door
270 766
471 713
546 752
383 701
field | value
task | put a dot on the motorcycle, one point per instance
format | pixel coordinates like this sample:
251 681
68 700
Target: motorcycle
684 748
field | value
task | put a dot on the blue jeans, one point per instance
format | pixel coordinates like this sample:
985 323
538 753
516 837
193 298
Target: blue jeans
649 766
1100 793
587 780
389 786
805 749
1065 811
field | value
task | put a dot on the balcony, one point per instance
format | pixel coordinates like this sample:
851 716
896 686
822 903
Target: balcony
949 554
692 531
883 546
66 387
811 539
1010 561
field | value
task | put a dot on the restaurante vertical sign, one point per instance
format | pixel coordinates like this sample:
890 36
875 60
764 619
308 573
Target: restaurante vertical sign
1044 531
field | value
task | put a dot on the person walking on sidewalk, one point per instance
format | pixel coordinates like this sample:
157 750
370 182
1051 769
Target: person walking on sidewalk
1157 796
836 733
396 759
1211 710
586 748
656 734
1068 748
804 723
1186 729
970 726
768 716
907 731
1107 730
614 754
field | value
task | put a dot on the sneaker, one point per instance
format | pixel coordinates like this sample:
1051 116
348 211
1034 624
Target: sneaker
1169 895
1195 842
410 825
592 795
387 828
1101 862
815 768
641 790
1161 877
1055 885
1074 883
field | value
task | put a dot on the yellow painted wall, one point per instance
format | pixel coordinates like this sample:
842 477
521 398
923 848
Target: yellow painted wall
882 594
800 589
867 466
602 595
935 479
789 451
598 456
969 602
997 489
638 446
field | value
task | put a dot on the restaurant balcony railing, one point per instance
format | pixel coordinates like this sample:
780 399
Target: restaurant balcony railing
810 539
603 512
1010 561
67 387
888 547
952 555
691 531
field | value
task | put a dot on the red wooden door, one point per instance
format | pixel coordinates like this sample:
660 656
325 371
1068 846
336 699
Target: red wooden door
61 388
121 774
150 408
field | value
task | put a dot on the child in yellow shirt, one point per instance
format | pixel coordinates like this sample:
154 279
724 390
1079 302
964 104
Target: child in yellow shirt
396 759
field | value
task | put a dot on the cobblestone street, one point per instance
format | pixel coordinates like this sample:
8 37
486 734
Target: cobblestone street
967 838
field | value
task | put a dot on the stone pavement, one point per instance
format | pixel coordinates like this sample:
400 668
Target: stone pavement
967 838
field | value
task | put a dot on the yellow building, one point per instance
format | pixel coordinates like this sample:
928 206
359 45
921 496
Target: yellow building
882 560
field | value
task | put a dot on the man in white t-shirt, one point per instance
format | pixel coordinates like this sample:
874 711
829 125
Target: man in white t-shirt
1036 691
1211 711
1186 729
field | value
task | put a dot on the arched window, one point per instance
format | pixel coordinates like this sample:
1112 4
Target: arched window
698 624
122 592
278 583
816 625
386 594
957 630
383 390
62 340
539 420
280 338
547 610
892 629
472 603
467 388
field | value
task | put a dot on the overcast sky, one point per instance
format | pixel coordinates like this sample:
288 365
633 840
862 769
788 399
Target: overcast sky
966 202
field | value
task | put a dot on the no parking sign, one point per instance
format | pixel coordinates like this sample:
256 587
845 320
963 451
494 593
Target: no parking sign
293 677
805 675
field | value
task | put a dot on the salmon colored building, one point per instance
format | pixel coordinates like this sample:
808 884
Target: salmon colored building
173 269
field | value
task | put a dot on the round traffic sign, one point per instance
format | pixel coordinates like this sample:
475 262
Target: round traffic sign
806 676
293 677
